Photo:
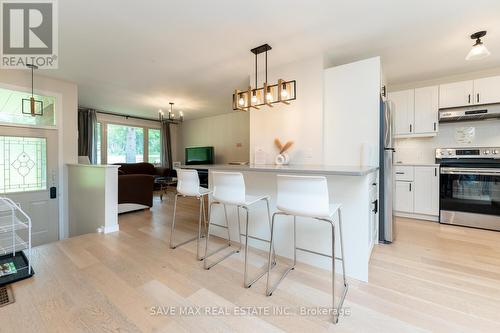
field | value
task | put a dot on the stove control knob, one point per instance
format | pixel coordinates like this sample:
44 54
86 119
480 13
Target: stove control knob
486 152
495 151
450 152
442 153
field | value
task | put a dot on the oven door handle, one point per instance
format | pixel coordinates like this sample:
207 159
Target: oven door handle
470 171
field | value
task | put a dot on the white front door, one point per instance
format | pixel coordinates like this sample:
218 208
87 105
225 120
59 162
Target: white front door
28 170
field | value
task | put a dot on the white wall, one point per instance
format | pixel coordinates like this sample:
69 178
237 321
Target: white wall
351 116
68 126
228 133
301 121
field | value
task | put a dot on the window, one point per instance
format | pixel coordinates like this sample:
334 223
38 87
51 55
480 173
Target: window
125 144
154 146
11 109
23 164
98 143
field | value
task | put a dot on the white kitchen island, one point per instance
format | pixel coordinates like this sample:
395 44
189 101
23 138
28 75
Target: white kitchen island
354 187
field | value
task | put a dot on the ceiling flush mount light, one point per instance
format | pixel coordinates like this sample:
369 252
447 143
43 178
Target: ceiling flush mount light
268 94
171 116
30 105
478 51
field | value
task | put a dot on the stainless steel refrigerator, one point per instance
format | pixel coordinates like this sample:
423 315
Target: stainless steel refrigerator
386 188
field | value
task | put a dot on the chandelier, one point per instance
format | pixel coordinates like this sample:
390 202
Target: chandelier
268 94
171 117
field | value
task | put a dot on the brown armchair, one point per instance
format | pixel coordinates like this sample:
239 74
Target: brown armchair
136 184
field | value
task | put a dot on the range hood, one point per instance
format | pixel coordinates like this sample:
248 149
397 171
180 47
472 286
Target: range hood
469 113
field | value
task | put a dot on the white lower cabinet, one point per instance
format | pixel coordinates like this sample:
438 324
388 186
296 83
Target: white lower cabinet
418 192
404 196
426 190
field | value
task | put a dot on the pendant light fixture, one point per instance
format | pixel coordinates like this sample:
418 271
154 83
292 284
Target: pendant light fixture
32 106
171 116
478 51
268 94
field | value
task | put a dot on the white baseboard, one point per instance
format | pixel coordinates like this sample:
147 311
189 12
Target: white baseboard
113 228
418 216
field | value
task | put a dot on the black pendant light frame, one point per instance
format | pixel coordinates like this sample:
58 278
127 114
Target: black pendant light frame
277 91
32 102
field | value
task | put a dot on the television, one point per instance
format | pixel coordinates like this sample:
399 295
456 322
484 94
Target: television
199 155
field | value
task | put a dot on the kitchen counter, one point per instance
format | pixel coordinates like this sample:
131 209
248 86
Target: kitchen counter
354 187
326 170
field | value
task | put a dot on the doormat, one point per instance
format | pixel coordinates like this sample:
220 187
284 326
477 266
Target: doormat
6 296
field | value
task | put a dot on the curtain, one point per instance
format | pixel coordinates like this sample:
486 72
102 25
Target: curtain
87 134
166 145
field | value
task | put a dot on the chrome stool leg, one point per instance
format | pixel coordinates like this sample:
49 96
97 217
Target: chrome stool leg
172 232
270 290
246 283
338 308
205 261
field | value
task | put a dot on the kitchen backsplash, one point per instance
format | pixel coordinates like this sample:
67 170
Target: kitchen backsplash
483 133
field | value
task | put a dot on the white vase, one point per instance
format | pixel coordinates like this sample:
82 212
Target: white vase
282 159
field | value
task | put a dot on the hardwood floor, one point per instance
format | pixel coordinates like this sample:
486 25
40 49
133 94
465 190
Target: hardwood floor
432 278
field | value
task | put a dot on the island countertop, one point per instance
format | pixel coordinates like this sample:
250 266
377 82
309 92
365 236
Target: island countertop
292 168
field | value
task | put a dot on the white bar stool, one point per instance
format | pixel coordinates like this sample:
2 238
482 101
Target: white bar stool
307 196
188 185
229 189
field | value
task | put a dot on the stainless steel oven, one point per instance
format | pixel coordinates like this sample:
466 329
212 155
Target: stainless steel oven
470 187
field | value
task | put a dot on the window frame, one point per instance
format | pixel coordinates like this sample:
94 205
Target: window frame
57 105
104 120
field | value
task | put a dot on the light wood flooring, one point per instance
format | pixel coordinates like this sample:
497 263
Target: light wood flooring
433 278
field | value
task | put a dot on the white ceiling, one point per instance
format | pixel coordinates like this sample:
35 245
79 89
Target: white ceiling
136 56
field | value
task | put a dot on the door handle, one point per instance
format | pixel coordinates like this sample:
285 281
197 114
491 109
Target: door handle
410 186
469 99
435 172
434 126
375 206
478 97
410 128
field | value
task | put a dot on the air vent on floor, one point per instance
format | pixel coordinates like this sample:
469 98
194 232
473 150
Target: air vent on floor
6 296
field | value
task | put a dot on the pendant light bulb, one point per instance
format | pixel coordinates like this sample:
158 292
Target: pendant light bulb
284 93
241 101
254 97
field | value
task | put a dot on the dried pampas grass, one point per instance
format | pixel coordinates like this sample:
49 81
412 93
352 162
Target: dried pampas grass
282 148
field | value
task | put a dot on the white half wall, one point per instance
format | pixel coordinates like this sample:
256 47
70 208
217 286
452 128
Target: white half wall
301 121
351 113
227 133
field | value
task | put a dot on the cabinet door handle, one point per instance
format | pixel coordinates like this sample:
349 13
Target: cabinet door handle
435 172
410 128
410 186
469 99
400 173
434 126
478 97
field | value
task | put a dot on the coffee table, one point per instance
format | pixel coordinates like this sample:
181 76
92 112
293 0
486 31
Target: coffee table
163 183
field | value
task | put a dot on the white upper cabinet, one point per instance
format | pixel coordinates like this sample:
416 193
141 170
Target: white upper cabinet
402 105
473 92
426 190
487 90
426 109
456 94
